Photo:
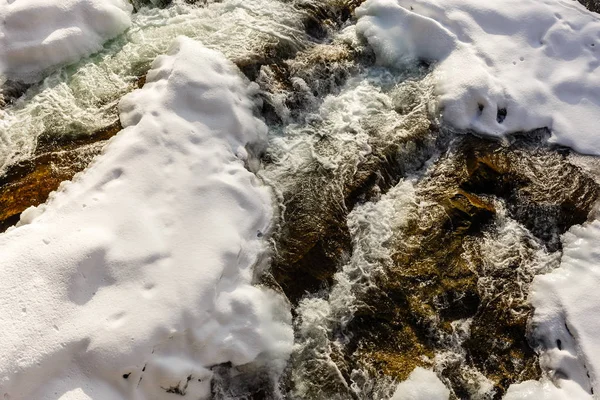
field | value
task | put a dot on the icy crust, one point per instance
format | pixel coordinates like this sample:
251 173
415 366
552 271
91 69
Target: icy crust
135 279
39 34
504 66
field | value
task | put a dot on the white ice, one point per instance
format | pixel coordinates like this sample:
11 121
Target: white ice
503 66
136 277
36 35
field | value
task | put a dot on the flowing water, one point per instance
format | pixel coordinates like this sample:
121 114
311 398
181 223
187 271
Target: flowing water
398 242
82 98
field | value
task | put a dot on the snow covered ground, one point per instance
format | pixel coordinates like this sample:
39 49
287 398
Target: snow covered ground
567 307
135 279
39 34
422 384
503 66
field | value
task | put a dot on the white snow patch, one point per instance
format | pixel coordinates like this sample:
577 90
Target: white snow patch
504 66
566 304
422 384
39 34
546 390
136 277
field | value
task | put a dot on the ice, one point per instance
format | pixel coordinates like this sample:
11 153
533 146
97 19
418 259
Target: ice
502 66
136 278
36 35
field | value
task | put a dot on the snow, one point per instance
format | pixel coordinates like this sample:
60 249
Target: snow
566 304
546 390
36 35
137 276
422 384
502 66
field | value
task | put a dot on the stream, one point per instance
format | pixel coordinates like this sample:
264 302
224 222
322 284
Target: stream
398 241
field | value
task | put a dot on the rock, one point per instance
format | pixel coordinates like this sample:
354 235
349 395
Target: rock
543 191
137 4
314 237
592 5
438 270
10 91
29 183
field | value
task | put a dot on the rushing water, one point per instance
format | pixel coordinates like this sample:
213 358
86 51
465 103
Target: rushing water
82 98
335 139
333 116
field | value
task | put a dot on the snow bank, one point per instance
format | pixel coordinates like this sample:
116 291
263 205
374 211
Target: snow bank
39 34
136 278
421 384
546 390
567 302
504 66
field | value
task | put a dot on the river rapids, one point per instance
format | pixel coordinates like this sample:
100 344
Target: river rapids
399 242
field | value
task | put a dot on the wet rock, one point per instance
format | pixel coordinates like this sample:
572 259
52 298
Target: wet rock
251 382
313 239
30 182
438 268
428 285
11 91
137 4
293 87
592 5
543 191
57 158
293 79
324 17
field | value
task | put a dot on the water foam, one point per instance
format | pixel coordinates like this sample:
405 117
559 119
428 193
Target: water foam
82 98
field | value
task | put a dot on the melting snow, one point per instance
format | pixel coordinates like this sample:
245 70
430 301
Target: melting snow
136 277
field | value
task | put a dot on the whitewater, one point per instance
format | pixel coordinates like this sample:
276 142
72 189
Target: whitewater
275 162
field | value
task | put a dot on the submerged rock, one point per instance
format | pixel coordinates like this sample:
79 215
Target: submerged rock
452 294
592 5
316 198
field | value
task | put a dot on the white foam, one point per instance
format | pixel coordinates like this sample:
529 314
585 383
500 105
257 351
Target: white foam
136 277
422 384
537 59
82 99
38 34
